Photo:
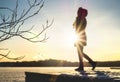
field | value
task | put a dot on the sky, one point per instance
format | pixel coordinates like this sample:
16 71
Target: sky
103 31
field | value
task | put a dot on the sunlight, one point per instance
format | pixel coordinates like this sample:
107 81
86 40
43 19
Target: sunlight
72 38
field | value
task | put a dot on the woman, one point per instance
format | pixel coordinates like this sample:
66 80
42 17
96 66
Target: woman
79 26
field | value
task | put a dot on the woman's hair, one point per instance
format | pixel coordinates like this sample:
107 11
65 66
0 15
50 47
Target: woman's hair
82 13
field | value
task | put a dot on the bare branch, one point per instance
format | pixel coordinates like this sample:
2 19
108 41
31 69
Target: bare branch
6 56
44 29
3 56
12 24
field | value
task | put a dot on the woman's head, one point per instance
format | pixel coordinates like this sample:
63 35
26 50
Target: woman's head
82 13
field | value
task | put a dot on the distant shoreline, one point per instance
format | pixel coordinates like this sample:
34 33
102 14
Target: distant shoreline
58 63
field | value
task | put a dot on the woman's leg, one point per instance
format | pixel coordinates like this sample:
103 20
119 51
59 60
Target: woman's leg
80 55
90 61
87 57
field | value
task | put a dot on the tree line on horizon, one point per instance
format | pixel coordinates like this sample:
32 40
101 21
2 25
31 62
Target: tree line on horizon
56 63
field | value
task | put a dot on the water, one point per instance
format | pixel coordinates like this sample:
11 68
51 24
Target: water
17 74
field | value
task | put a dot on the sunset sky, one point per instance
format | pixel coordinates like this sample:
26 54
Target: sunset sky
103 31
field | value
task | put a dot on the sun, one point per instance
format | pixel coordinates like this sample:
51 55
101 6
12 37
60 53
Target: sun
72 38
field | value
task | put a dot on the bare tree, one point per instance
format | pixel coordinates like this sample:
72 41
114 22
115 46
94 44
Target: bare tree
12 24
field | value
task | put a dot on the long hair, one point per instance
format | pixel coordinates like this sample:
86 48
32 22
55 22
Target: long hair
80 19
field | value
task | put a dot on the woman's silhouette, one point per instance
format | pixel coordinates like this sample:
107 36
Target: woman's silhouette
79 26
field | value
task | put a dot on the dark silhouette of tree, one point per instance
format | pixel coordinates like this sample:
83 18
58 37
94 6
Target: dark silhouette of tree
12 24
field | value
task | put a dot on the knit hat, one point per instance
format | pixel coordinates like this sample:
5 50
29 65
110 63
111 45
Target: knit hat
82 13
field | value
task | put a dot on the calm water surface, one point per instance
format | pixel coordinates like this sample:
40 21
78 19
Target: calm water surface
17 74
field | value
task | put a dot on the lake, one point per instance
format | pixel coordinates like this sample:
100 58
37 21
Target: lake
17 74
